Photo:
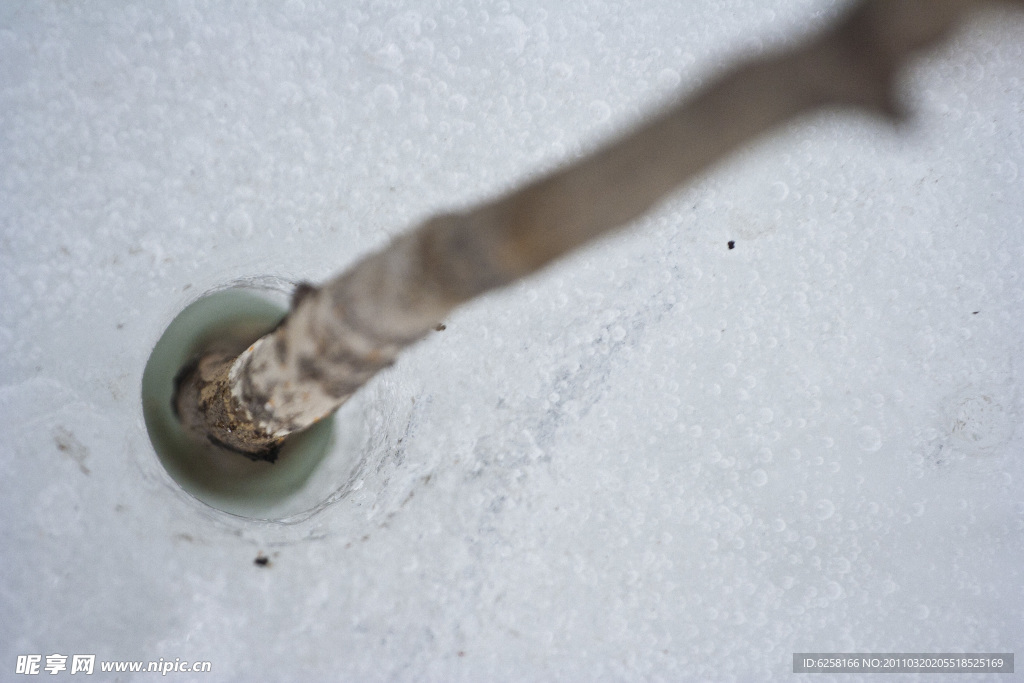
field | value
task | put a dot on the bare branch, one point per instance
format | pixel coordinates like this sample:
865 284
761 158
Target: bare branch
337 337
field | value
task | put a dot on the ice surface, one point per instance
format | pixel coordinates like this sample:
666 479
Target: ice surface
661 459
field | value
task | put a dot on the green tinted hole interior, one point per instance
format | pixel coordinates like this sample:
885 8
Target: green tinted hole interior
222 479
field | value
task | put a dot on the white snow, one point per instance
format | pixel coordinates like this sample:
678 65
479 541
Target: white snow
661 459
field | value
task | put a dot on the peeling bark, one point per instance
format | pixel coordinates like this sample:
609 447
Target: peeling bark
338 336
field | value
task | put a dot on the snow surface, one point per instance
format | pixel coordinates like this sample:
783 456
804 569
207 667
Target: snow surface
661 459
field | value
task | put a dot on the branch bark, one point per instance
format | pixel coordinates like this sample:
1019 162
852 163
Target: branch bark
336 337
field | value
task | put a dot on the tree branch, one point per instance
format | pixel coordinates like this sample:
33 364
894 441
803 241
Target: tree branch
337 337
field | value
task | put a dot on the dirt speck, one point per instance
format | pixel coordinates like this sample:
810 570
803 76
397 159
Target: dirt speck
261 560
68 445
732 244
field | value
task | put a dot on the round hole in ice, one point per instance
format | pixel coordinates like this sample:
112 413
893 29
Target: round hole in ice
238 315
